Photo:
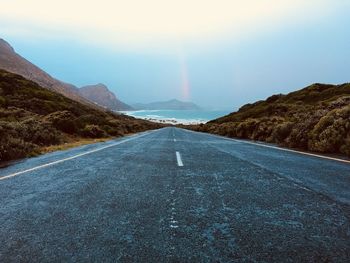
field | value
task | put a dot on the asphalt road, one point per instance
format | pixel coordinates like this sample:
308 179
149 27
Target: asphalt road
173 195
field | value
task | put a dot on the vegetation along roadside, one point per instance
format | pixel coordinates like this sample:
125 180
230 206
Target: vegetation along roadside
34 120
316 118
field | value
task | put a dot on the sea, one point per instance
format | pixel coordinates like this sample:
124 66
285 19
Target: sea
178 116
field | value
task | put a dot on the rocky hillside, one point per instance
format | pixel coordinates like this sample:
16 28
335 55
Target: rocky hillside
167 105
101 95
33 117
13 62
316 118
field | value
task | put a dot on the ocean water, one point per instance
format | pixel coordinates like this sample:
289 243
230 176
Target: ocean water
178 116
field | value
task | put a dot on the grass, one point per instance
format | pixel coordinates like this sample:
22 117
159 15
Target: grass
35 120
316 118
76 142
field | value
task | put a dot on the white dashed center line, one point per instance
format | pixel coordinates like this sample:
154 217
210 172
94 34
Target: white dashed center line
179 160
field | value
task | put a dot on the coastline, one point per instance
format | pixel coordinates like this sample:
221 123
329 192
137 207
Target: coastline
176 117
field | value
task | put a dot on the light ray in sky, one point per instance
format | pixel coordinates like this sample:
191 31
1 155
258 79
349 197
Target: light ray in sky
207 51
185 81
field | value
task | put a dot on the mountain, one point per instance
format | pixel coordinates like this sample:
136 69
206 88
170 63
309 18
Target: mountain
101 95
33 117
13 62
316 118
167 105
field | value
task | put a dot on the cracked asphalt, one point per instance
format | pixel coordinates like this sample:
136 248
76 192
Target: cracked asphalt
131 202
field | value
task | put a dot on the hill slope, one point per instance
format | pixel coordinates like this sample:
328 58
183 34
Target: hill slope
32 117
316 118
166 105
13 62
101 95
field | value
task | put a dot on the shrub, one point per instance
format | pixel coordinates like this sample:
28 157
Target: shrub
315 118
93 131
245 129
281 132
63 121
90 119
345 148
273 98
263 130
331 132
32 117
40 133
14 148
2 101
113 131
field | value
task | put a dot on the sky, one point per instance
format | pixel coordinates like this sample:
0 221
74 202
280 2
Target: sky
219 54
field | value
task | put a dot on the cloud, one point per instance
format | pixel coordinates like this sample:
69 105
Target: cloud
135 23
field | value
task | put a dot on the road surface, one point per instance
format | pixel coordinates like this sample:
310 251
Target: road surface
173 195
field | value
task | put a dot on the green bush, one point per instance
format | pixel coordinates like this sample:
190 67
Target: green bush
90 119
263 130
63 121
93 131
32 117
281 132
14 148
2 101
32 131
345 148
316 118
113 131
40 133
331 132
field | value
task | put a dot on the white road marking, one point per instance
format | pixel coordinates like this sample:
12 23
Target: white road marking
179 160
273 147
173 223
293 151
72 157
